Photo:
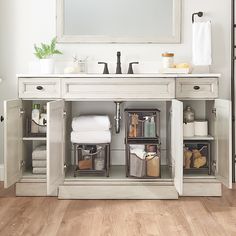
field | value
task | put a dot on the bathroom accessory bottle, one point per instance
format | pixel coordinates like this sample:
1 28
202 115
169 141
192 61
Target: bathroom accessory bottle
152 128
189 115
147 127
35 118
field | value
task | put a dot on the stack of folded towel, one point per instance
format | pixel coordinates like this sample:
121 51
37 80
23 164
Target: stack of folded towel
39 163
91 129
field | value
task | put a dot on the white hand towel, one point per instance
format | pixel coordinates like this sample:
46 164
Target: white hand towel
39 163
91 137
39 170
202 43
91 123
40 153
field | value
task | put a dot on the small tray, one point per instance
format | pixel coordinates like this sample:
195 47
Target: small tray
175 71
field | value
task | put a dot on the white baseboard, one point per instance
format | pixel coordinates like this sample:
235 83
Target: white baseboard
1 172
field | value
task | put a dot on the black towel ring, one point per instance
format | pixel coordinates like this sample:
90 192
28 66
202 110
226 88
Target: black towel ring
199 14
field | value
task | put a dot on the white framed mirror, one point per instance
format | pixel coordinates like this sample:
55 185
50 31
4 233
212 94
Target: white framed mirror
118 21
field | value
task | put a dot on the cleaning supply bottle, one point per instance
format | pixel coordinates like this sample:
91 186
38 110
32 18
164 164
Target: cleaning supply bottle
35 118
152 128
147 127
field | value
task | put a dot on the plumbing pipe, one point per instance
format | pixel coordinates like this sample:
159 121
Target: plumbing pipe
117 117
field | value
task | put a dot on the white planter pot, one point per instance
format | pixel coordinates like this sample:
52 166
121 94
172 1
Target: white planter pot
47 66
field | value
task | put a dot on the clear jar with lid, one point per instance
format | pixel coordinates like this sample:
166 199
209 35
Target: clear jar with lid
167 60
189 115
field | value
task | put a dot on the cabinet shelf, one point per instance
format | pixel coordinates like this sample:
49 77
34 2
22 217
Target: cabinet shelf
201 138
34 138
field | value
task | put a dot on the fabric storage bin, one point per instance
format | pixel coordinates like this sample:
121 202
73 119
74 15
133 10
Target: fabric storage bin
91 159
143 161
153 166
197 157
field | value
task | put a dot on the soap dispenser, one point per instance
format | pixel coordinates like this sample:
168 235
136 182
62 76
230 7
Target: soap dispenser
146 127
152 128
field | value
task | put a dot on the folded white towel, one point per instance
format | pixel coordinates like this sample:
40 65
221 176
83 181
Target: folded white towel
39 153
39 163
91 137
91 123
202 43
39 170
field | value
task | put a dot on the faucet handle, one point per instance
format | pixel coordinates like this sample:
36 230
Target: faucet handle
105 71
130 70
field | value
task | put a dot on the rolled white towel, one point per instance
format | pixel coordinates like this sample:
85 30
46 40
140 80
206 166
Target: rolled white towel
91 123
39 153
91 137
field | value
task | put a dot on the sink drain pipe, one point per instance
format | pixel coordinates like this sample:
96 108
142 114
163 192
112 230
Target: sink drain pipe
117 117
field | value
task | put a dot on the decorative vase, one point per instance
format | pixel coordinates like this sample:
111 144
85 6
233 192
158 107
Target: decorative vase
47 66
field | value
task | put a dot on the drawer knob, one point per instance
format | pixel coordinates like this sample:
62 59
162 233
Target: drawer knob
2 119
196 87
39 88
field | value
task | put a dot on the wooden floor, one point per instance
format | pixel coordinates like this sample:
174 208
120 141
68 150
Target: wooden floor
50 216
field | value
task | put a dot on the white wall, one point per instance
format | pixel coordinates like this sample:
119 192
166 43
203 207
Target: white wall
25 22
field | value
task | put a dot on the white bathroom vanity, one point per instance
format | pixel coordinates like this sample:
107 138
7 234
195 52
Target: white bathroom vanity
67 96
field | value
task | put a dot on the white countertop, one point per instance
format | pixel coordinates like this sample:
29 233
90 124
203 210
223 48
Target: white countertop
119 76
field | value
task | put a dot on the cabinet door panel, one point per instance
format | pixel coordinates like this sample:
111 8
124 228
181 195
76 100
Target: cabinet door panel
55 146
12 142
177 144
223 142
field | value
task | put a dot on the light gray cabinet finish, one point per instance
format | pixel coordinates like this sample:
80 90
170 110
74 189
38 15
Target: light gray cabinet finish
40 88
196 88
90 88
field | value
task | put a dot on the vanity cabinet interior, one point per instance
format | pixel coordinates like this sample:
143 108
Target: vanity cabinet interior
218 114
59 179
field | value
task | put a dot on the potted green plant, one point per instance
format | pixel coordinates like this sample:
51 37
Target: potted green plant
45 55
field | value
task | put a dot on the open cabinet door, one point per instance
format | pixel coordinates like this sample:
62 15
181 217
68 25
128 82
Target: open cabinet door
55 146
12 142
223 141
177 144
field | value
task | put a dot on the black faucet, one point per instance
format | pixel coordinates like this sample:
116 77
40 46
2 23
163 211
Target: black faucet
118 65
130 70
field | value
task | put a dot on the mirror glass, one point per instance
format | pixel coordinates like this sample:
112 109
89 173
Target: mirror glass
124 21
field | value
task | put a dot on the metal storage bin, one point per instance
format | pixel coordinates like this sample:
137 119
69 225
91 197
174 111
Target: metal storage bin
197 157
91 159
142 124
143 161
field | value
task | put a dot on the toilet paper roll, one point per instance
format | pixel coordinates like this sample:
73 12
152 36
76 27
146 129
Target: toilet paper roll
189 129
201 128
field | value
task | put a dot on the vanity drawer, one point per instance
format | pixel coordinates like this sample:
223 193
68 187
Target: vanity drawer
118 88
39 88
197 88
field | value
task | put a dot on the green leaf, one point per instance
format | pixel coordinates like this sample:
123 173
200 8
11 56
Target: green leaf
57 52
46 50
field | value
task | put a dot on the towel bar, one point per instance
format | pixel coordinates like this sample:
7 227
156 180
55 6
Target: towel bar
199 14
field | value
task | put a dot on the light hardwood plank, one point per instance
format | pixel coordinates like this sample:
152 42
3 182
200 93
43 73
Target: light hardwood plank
48 216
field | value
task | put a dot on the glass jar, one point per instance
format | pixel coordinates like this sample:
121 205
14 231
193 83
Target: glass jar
189 115
167 60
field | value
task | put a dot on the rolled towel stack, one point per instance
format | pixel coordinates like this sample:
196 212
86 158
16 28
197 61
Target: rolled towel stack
39 160
91 129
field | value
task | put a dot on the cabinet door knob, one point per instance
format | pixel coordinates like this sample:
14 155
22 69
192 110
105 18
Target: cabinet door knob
2 119
196 87
39 87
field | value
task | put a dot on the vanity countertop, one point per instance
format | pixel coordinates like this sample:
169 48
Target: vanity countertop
119 76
